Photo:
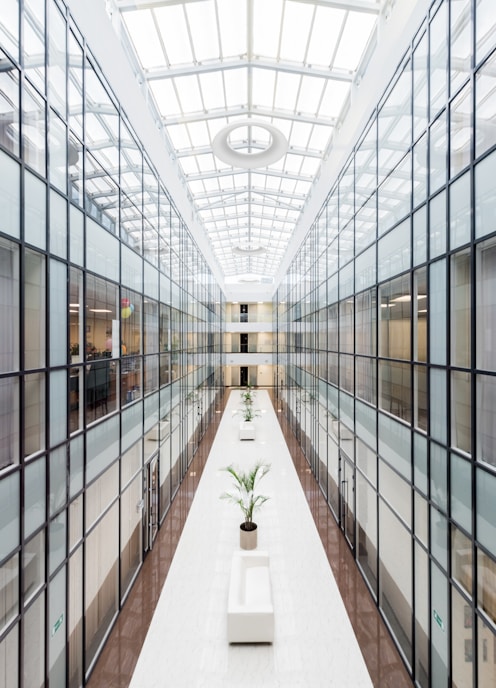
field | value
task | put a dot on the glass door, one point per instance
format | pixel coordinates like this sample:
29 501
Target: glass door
347 495
151 503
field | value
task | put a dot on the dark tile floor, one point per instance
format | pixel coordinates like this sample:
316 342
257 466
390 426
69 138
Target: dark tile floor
116 664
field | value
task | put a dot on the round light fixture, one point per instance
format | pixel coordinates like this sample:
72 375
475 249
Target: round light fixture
275 150
249 250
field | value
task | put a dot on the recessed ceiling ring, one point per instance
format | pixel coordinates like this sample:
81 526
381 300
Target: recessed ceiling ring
276 149
249 250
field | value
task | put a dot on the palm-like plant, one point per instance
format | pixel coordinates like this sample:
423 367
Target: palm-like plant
245 484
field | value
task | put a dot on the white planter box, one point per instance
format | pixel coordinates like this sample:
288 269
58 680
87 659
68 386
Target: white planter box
247 430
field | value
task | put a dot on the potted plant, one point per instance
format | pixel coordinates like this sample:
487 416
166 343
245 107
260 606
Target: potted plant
247 427
247 395
245 484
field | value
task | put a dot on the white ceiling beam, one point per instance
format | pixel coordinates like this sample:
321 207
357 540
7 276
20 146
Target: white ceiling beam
244 112
258 190
230 172
242 63
203 150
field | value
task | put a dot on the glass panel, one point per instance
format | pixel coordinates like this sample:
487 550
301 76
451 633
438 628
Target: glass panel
131 533
440 631
486 668
462 559
34 496
461 640
395 577
394 251
461 491
420 236
395 444
9 596
57 541
34 131
58 224
34 413
421 583
460 309
395 318
34 310
461 411
9 37
485 118
485 201
396 491
486 509
437 225
9 308
438 60
57 55
33 41
486 431
461 42
57 143
437 312
366 500
438 154
9 103
420 90
34 566
100 494
486 305
102 447
9 658
58 316
460 212
75 619
395 389
58 629
10 176
101 581
420 171
421 518
34 638
420 462
486 585
461 130
438 405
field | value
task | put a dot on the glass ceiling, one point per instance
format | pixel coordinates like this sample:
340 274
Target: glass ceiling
210 63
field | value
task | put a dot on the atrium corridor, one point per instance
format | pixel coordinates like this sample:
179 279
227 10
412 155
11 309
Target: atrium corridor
185 645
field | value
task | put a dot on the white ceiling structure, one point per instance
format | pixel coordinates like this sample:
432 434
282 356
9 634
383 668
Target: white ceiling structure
271 72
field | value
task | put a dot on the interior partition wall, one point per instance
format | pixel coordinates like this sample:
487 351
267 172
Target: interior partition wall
110 345
386 349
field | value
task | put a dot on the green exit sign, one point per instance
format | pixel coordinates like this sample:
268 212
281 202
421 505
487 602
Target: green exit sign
438 619
57 624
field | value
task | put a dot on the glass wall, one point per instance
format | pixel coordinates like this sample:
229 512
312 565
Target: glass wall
110 341
386 347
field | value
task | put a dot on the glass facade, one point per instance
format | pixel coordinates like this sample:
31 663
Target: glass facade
110 341
386 357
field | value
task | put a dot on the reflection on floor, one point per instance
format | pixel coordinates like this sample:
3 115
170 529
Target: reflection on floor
119 658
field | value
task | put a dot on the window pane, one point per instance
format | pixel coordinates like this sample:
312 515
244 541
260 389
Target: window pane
461 130
485 106
460 211
460 309
395 579
34 496
58 314
34 413
34 565
395 318
486 642
461 491
486 431
486 509
34 639
486 584
34 310
485 200
9 596
486 305
461 640
461 410
437 312
101 581
438 405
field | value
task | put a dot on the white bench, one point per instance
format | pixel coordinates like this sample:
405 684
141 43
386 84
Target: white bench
250 613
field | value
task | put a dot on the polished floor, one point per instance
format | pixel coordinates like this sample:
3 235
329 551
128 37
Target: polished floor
313 647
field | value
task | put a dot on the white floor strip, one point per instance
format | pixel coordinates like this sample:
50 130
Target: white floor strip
314 644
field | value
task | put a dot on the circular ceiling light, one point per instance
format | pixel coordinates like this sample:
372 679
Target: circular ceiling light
275 150
249 250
